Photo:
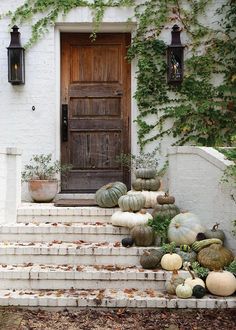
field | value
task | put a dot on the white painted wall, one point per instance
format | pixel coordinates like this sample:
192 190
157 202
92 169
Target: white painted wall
10 183
195 180
39 131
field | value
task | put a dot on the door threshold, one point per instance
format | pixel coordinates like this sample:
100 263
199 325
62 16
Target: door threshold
76 196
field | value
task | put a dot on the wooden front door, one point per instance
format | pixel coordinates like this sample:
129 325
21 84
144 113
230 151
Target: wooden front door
95 102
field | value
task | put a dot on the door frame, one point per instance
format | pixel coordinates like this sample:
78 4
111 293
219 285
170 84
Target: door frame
87 28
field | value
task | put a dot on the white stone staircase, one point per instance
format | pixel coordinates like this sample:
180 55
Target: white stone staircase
72 257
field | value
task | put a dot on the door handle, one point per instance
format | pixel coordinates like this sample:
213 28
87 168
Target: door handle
64 123
118 93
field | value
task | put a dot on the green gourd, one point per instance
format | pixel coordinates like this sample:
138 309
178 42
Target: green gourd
131 203
215 233
145 173
146 184
199 245
108 195
142 235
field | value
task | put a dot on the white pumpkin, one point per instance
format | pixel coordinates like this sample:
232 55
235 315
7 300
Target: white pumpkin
130 219
184 228
193 280
150 196
221 283
171 261
184 291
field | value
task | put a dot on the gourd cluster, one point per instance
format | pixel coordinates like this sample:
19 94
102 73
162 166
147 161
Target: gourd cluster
189 240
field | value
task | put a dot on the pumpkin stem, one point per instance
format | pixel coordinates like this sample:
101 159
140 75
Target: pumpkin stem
166 194
215 227
191 273
108 186
146 253
175 272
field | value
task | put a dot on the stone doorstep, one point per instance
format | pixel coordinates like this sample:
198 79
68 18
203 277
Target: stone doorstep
109 298
66 232
80 277
65 253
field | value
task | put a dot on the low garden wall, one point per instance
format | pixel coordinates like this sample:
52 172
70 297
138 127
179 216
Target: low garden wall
194 178
10 183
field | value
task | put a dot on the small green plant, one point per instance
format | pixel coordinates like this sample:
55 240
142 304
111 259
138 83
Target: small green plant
160 225
200 271
147 160
232 267
41 167
169 248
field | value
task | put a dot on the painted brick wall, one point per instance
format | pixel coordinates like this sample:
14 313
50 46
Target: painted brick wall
195 181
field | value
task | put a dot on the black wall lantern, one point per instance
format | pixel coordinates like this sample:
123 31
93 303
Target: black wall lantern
175 58
16 59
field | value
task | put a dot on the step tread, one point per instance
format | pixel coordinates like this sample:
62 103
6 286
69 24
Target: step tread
65 248
70 271
109 298
59 227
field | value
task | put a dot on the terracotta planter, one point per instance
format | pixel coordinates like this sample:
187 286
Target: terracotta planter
43 191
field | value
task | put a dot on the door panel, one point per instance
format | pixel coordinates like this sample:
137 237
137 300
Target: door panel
95 83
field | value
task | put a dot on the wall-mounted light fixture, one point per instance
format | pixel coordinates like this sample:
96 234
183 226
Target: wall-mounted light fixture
16 59
175 58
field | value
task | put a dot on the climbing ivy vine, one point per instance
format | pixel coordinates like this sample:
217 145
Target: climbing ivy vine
199 111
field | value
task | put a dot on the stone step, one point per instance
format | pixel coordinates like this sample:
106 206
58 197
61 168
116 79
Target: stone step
57 252
37 277
66 232
39 212
109 298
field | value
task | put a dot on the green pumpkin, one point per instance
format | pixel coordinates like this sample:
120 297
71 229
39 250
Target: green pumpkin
131 203
215 257
166 210
108 195
189 256
146 184
199 291
151 258
145 173
215 233
143 235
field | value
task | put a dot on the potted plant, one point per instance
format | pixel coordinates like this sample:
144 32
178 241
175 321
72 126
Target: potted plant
40 174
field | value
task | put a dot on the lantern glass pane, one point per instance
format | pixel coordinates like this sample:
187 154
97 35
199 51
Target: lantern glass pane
16 65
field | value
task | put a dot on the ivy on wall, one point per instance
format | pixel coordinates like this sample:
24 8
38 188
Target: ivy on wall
201 112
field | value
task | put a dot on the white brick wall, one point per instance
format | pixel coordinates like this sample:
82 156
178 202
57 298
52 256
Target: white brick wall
195 180
10 183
